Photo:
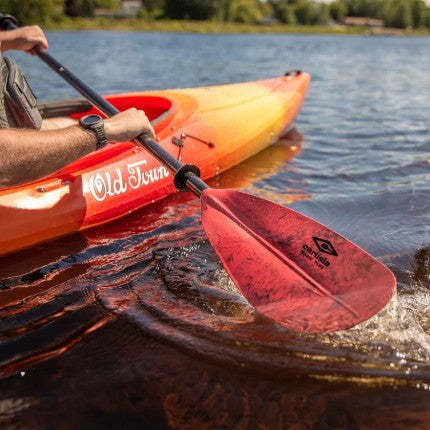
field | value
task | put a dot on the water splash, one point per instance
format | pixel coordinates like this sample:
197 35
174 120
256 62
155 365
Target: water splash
393 335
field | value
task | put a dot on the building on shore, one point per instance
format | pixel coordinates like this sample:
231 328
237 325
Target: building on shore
127 9
357 21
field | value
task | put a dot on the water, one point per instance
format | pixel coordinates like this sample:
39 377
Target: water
136 325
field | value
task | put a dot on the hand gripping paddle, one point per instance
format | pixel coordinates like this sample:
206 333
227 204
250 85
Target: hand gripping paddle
289 267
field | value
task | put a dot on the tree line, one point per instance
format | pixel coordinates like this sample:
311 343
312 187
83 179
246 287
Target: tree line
395 13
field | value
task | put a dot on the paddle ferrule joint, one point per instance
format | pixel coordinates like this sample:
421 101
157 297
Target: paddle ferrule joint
181 177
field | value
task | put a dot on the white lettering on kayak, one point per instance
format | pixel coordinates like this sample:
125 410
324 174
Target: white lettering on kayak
135 179
109 184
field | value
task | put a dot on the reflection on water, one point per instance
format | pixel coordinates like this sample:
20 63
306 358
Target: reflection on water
136 325
43 287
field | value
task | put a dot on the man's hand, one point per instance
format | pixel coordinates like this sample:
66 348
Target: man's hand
23 39
127 125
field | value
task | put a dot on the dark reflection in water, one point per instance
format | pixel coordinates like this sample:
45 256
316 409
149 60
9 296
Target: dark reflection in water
121 378
136 325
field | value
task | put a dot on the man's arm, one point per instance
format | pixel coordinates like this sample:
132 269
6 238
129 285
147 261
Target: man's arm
28 155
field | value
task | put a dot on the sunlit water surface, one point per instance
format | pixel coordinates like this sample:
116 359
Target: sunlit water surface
136 324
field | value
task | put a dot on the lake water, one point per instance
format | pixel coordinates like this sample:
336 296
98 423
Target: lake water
122 327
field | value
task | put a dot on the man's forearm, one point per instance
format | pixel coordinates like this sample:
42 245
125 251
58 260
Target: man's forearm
27 155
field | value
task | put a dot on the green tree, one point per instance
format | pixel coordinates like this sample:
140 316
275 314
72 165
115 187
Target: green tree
427 19
29 11
367 8
191 9
155 8
264 7
71 7
4 6
306 12
402 15
226 10
419 12
107 4
285 13
80 7
324 14
87 8
338 10
246 11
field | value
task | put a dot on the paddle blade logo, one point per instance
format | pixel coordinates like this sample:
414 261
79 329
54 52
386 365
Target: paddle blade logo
317 257
325 246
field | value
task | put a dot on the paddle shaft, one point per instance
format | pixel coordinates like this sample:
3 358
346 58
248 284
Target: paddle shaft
189 174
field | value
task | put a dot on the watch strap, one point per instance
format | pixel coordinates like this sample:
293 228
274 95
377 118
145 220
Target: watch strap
99 131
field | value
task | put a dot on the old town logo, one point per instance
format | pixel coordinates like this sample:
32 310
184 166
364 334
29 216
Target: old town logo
323 246
113 183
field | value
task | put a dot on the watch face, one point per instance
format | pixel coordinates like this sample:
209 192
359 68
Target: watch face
90 119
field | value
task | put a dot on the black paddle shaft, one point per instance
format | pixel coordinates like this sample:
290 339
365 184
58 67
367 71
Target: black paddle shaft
186 175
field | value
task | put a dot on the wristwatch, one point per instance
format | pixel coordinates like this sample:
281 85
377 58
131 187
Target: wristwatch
95 124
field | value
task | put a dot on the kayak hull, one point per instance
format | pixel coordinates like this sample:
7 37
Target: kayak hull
214 128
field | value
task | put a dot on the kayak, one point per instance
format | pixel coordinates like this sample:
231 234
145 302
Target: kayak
212 127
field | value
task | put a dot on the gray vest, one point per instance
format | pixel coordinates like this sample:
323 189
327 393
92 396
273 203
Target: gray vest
18 104
4 123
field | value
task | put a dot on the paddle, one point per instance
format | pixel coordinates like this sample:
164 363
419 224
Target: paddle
291 268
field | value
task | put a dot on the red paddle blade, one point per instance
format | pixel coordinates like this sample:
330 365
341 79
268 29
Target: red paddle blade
291 268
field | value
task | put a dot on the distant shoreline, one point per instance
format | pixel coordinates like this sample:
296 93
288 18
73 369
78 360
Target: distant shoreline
219 27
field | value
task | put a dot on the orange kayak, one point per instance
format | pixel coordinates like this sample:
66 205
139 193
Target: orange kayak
214 128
